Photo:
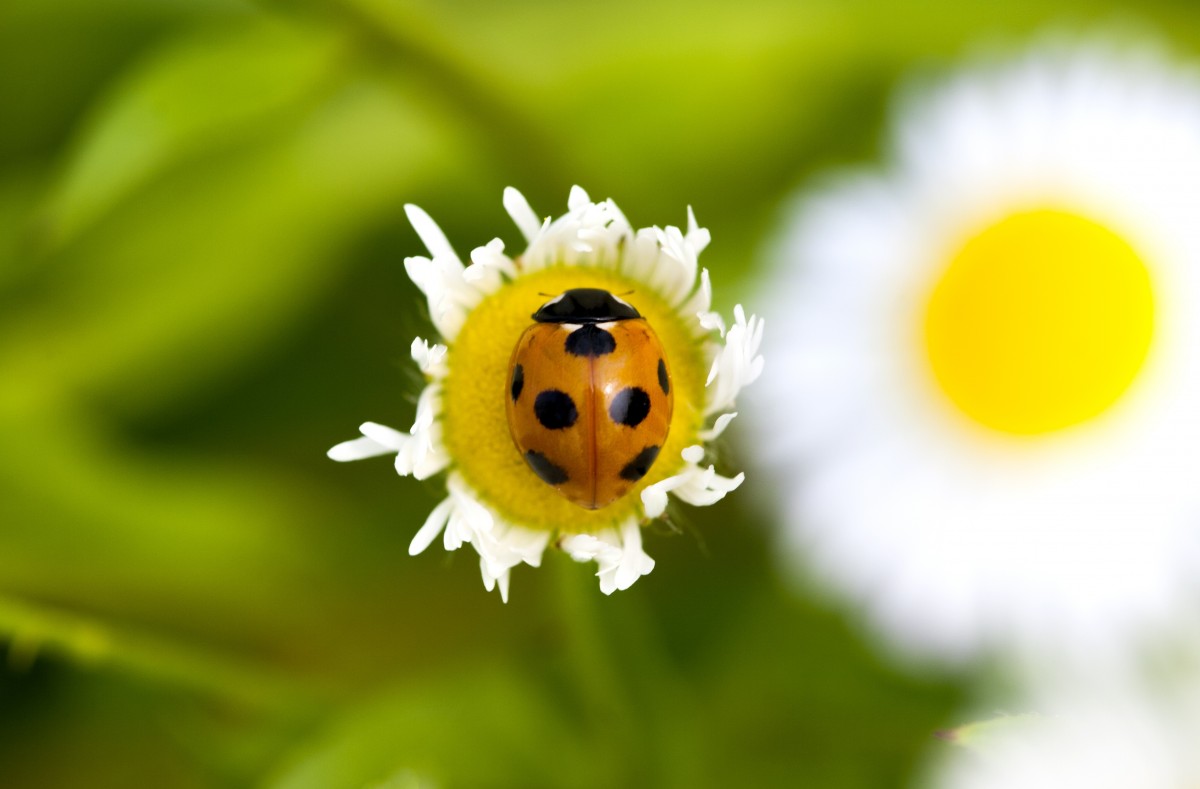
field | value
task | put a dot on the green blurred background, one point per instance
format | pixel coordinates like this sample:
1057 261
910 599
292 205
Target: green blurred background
201 289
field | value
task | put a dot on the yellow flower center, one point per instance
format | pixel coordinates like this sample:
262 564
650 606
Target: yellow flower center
1041 321
475 426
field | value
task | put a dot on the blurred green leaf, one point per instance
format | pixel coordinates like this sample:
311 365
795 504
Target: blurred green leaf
197 95
95 523
18 193
405 779
56 55
192 277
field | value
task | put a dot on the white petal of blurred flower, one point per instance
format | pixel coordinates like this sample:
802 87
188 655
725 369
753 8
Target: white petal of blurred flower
1111 738
983 410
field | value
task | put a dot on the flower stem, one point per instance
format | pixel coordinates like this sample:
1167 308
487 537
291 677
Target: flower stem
613 718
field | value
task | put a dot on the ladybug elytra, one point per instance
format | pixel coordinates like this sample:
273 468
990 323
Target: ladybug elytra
589 396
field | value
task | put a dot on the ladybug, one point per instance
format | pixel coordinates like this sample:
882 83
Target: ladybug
589 396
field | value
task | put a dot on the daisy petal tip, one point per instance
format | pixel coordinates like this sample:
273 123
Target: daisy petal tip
521 213
342 452
431 528
417 216
578 198
357 449
719 426
654 502
420 541
430 234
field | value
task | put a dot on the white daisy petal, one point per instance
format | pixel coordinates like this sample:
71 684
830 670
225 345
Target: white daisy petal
617 553
431 359
432 527
710 322
358 449
700 304
495 581
675 276
435 240
421 454
377 440
442 282
1115 736
488 265
522 215
695 485
634 562
578 199
718 427
385 436
738 364
698 237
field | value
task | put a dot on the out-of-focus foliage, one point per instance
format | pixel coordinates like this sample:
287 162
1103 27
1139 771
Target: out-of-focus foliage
201 289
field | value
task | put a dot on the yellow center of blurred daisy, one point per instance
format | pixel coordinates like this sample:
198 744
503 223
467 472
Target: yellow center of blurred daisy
475 425
1042 321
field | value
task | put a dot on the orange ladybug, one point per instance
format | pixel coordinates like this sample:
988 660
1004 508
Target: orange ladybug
589 396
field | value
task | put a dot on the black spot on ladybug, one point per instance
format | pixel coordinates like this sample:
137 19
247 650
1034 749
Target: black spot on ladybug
519 381
550 472
630 406
555 409
637 468
663 380
590 340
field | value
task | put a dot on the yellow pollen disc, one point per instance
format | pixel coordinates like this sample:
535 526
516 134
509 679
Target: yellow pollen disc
475 425
1042 321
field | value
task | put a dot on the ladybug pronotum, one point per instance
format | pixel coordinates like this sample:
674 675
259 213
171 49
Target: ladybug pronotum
589 396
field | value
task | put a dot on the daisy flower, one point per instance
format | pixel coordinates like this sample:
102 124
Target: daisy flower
495 502
988 412
1113 738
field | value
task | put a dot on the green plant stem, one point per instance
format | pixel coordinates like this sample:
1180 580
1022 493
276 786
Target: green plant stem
591 657
613 715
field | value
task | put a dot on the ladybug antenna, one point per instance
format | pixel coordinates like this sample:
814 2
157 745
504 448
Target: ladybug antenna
627 293
547 295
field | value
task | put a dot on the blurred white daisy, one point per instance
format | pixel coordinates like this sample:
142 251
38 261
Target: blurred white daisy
986 411
1115 738
495 503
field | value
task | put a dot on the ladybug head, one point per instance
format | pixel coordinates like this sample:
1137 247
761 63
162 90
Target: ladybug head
585 305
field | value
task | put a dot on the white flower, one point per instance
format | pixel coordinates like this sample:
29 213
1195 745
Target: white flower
495 504
986 422
1108 738
697 486
618 552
